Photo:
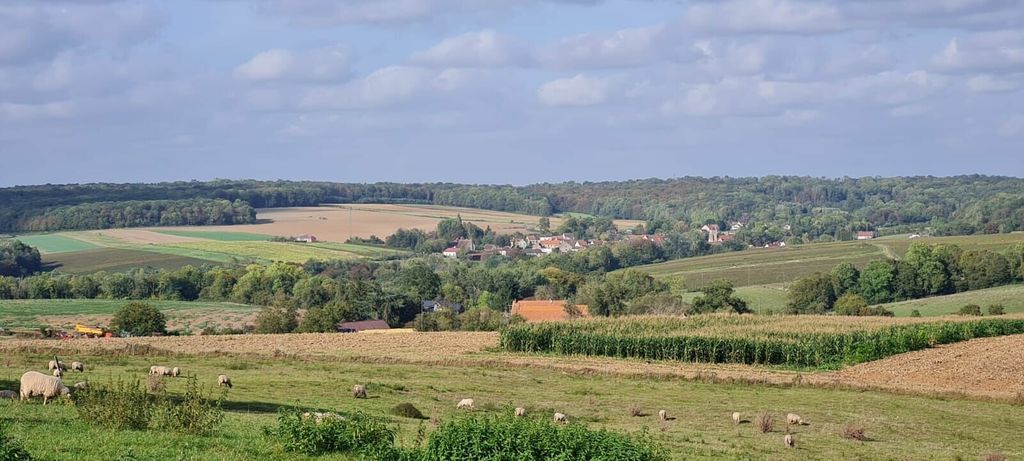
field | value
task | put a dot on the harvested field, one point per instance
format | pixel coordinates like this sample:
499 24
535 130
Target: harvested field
992 367
116 260
138 236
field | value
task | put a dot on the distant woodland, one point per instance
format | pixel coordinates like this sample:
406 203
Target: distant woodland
772 208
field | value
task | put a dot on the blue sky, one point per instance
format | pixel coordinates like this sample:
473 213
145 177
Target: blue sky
507 91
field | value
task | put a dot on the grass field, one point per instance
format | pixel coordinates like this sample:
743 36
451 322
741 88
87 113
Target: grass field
117 260
65 313
221 236
55 243
279 251
993 242
898 426
1011 297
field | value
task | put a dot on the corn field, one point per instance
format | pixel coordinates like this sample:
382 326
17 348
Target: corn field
792 341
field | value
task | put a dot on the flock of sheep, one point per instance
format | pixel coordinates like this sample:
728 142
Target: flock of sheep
34 383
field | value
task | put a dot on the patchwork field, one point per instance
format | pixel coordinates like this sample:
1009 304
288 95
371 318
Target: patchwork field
117 260
433 371
65 313
56 243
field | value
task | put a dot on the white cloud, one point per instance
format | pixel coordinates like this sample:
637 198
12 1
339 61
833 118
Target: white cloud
318 64
337 12
1012 127
621 48
985 52
485 48
991 84
764 16
580 90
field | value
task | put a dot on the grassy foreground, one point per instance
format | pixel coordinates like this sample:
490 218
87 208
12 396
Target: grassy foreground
899 427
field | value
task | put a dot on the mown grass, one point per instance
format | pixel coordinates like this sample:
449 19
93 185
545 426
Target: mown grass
34 313
898 426
55 243
1011 297
221 236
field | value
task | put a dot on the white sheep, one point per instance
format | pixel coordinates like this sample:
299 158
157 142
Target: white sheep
319 417
161 370
520 412
58 373
794 419
663 415
175 372
5 394
35 383
77 366
789 440
561 418
736 417
359 391
81 386
53 365
465 403
224 380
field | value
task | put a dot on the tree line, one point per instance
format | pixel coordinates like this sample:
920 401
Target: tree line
107 215
925 270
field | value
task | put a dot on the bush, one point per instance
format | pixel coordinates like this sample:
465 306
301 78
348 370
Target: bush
970 309
122 405
407 410
193 414
996 309
504 437
764 422
356 434
915 313
139 319
10 448
155 384
277 320
851 432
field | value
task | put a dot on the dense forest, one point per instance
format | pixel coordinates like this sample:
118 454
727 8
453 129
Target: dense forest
779 207
105 215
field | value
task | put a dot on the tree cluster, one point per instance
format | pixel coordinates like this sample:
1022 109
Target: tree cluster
18 259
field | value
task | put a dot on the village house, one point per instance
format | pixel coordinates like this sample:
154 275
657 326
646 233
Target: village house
306 238
450 252
434 306
865 235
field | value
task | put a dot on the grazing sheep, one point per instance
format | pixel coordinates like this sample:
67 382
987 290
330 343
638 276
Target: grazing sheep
53 365
175 372
465 403
58 373
81 386
8 395
736 417
561 418
35 383
359 391
520 412
159 370
224 380
77 366
794 419
663 415
319 417
790 442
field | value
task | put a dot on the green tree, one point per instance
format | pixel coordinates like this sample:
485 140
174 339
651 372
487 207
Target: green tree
876 282
850 304
719 296
811 295
984 269
420 282
139 319
845 278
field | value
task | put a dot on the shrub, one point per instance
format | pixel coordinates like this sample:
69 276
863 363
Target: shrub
139 319
996 309
851 432
121 405
970 309
356 434
764 422
635 411
10 448
407 410
274 320
193 414
155 384
501 437
915 313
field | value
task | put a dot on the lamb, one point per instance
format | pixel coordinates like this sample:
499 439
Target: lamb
520 412
54 364
35 383
58 373
736 417
561 418
790 442
224 380
794 419
77 366
175 372
359 391
81 386
663 415
465 403
5 394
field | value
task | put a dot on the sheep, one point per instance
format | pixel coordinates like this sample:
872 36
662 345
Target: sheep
8 395
736 417
58 373
790 441
224 380
35 383
359 391
794 419
465 403
54 364
663 415
175 372
319 417
159 370
81 386
78 366
520 412
561 418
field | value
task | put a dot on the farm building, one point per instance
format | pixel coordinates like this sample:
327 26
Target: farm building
865 235
545 310
450 252
355 327
431 306
306 238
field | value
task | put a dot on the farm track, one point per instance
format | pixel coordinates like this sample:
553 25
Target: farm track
984 369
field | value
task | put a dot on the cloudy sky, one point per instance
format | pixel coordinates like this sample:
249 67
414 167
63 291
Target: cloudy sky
507 91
